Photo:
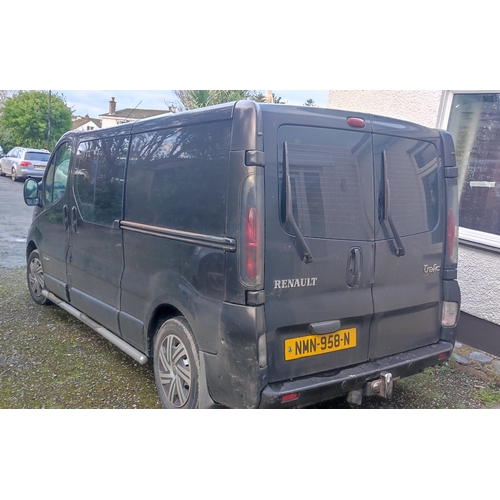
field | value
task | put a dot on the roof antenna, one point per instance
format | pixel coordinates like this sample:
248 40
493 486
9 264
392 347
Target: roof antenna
133 110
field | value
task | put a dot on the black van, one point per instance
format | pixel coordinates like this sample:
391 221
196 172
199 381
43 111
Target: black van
261 255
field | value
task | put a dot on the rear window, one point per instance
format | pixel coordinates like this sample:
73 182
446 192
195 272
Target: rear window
37 156
412 171
331 177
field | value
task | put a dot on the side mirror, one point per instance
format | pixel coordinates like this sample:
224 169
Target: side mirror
31 193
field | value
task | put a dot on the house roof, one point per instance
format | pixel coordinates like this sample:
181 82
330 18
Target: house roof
79 122
134 114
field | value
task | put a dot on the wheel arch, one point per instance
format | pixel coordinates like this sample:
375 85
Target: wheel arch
29 249
162 313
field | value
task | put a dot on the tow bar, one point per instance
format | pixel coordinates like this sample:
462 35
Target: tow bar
382 387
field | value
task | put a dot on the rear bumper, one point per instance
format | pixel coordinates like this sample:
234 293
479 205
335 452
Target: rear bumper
30 174
319 388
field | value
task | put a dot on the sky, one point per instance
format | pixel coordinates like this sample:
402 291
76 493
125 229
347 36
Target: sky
96 102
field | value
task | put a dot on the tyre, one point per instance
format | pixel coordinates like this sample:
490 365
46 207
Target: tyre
14 175
176 365
36 281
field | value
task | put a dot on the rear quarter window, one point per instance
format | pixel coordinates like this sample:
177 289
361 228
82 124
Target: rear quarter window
177 178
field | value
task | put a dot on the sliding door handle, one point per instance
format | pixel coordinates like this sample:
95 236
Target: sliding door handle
74 219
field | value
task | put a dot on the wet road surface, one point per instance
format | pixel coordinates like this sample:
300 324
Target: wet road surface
15 221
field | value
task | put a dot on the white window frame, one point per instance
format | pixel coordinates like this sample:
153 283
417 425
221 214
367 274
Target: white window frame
478 238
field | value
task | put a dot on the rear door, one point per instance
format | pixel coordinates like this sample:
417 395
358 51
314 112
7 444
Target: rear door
318 314
409 243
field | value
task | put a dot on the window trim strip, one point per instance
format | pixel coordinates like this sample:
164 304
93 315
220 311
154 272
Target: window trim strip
218 242
469 237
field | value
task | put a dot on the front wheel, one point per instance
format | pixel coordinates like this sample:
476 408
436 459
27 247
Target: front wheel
176 365
36 281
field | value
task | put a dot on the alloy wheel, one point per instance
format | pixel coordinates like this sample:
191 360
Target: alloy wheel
175 371
36 279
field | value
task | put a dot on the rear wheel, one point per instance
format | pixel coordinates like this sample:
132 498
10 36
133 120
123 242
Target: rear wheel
13 174
36 281
177 365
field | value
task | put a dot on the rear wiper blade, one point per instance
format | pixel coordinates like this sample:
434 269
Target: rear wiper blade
400 249
300 244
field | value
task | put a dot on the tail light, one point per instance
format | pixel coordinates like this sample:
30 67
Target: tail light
25 164
450 314
251 243
252 232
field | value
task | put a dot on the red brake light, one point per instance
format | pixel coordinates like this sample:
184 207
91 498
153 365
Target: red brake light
290 397
25 164
251 243
251 261
356 122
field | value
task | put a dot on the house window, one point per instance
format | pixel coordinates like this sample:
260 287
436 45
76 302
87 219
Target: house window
474 123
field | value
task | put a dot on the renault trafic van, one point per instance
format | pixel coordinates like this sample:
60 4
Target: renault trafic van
259 255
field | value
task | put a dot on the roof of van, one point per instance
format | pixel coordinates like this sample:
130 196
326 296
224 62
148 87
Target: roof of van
374 123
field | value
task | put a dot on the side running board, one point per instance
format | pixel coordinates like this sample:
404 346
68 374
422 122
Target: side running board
138 356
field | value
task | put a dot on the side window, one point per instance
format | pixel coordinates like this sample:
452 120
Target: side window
56 180
177 178
98 179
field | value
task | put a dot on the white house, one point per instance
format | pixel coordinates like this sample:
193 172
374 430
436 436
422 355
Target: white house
473 119
84 123
114 117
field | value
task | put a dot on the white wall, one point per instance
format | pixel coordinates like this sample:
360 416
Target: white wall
479 278
108 122
419 106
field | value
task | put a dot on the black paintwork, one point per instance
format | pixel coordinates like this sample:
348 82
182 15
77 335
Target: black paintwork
155 262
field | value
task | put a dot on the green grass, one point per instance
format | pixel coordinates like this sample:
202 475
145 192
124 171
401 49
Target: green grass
488 396
48 359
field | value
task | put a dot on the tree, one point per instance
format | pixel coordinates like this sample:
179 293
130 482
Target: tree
25 119
3 96
310 102
193 99
261 97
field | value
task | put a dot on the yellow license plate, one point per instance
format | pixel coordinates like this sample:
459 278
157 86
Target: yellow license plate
315 345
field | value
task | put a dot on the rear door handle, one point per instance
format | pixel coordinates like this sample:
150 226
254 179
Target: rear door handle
354 267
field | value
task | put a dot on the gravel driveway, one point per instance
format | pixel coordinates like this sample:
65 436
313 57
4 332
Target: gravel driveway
50 360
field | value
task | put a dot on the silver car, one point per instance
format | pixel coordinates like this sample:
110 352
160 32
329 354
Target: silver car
22 163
